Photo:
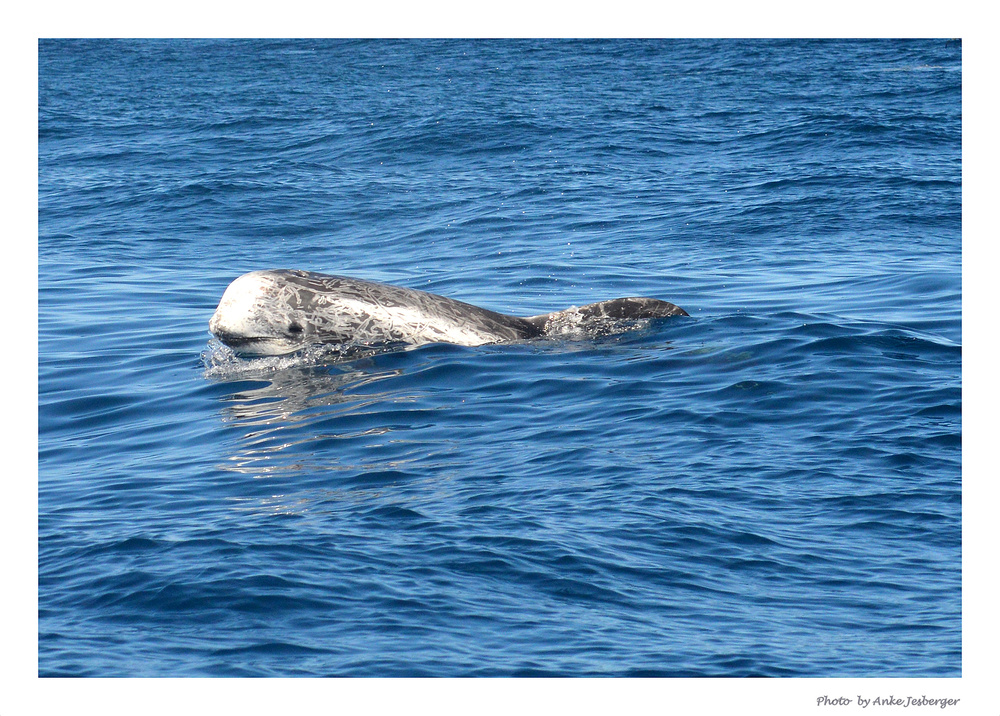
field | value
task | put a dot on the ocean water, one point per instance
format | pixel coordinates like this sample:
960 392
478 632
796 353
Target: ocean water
771 487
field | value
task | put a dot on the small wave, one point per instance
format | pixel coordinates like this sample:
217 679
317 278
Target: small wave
223 364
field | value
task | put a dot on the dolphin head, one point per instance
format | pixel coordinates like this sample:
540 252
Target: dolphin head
262 314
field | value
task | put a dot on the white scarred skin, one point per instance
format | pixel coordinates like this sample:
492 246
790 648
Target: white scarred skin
278 312
251 309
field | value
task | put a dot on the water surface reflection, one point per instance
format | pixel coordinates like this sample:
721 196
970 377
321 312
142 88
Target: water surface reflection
328 433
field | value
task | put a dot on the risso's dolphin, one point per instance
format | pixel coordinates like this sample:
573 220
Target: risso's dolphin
278 312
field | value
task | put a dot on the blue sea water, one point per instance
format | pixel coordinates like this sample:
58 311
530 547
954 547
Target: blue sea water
771 487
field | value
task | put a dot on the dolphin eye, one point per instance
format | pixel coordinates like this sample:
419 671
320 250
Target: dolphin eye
295 328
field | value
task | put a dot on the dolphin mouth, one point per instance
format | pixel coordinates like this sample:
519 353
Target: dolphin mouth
257 345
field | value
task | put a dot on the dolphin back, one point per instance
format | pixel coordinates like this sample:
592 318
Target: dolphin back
595 316
433 318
